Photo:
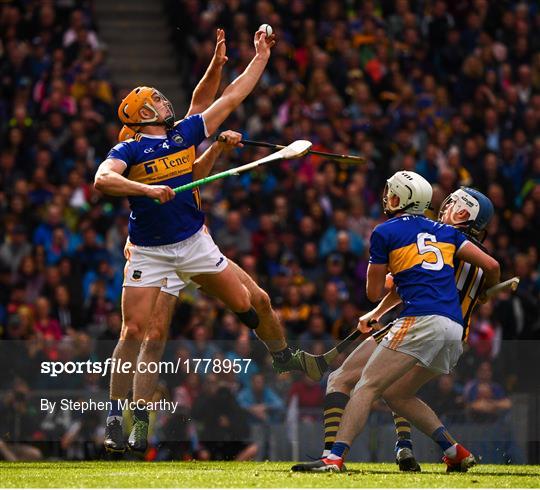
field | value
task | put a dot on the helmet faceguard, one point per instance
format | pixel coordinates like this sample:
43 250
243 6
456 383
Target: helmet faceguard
468 209
388 209
169 120
139 98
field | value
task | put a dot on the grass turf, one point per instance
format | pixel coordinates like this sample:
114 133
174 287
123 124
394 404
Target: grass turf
262 475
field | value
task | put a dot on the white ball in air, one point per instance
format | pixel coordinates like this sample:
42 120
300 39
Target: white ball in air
267 29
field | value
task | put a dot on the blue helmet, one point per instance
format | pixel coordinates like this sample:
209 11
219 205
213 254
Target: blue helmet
478 207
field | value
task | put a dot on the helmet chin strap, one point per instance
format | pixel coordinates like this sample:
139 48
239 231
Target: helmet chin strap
391 213
468 230
169 121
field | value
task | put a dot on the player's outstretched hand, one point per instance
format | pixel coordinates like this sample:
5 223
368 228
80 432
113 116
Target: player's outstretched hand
230 139
264 44
163 193
220 53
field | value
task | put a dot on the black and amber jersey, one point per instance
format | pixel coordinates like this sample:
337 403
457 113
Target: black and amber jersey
469 283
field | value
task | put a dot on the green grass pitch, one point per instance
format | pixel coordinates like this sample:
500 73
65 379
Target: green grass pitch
257 475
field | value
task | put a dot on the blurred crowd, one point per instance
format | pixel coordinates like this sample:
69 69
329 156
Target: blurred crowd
450 89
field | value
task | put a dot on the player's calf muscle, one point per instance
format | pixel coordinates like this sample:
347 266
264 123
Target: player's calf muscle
269 329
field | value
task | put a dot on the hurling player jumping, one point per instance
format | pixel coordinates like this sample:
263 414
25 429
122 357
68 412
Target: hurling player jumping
170 237
426 339
468 210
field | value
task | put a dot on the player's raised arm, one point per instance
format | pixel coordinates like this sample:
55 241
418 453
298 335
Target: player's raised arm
109 180
206 89
242 86
469 252
204 164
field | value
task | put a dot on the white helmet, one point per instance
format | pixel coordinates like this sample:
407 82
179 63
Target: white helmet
413 190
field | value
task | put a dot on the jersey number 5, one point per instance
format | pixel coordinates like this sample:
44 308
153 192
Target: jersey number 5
425 248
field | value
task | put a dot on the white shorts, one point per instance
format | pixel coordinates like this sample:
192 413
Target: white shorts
432 339
170 267
174 285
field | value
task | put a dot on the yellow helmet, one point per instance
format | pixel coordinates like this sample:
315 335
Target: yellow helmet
128 110
126 133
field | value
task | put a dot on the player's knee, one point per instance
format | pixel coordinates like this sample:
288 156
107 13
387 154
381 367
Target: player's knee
394 403
156 335
261 301
338 380
132 331
396 397
369 385
154 340
242 302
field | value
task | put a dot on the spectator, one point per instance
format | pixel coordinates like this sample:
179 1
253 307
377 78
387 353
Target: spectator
445 399
31 279
240 354
316 332
346 323
312 268
234 235
224 431
67 314
19 424
201 347
46 324
337 274
310 398
482 333
485 400
331 305
329 241
262 402
15 248
294 312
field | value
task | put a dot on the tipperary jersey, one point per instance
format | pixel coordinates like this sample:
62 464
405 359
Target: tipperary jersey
164 160
420 253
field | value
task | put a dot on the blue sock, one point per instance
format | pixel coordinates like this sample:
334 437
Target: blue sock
401 443
339 449
141 414
443 438
115 410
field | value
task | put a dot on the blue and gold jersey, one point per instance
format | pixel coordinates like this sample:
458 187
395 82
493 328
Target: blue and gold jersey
470 280
164 160
420 253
